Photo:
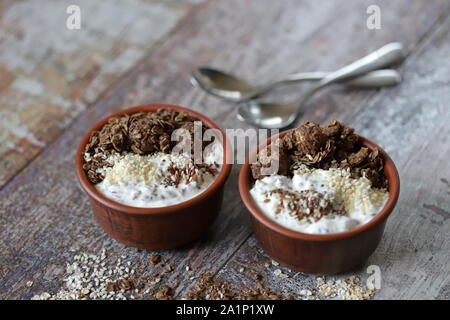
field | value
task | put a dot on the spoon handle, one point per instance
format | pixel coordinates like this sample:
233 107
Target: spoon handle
387 55
377 78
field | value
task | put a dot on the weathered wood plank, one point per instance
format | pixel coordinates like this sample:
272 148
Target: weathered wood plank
210 253
50 74
47 214
413 129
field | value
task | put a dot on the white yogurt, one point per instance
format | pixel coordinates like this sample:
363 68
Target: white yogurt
355 195
150 181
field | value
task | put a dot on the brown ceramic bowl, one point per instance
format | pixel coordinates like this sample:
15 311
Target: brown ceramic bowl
156 228
318 253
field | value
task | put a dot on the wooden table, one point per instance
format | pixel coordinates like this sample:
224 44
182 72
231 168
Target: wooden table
56 83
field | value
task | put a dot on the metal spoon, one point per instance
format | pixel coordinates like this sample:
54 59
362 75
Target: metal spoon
281 115
229 87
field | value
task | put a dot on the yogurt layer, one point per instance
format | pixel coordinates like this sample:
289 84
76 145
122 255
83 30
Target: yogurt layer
158 179
318 201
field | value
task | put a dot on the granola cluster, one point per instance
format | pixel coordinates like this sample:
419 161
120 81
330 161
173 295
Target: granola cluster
307 204
142 133
333 145
209 289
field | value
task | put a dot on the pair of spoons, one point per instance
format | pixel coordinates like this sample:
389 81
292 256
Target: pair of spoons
365 72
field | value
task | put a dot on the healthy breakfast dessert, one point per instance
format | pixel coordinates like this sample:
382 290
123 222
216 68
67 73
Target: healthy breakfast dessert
325 180
133 160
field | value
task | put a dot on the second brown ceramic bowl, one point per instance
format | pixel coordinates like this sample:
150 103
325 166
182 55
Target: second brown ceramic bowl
156 228
318 253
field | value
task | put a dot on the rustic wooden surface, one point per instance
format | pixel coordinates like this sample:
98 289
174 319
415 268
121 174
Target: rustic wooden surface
55 84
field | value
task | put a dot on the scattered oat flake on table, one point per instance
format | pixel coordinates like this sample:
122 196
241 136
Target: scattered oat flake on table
346 289
280 274
90 277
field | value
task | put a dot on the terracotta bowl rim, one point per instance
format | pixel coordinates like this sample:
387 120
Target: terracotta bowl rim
244 189
89 188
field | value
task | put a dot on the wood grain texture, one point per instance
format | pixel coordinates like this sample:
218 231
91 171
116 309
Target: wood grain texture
413 129
44 214
50 74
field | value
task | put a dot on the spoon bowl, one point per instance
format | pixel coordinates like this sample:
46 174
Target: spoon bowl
267 115
222 85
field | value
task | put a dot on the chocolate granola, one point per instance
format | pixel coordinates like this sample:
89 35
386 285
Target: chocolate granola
142 133
208 288
333 145
303 204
